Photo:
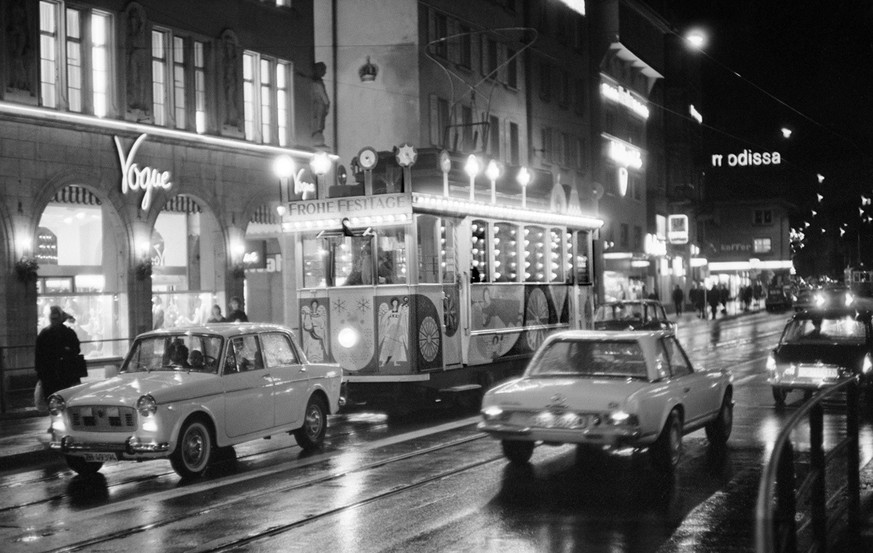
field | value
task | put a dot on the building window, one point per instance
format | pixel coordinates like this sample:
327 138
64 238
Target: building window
465 46
580 98
623 239
179 81
266 99
563 89
548 152
494 137
199 86
514 152
489 58
545 82
160 58
761 245
635 186
511 68
83 85
763 217
439 120
638 238
439 25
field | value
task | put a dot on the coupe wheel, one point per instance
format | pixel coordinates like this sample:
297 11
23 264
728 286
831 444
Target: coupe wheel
719 430
517 452
311 434
667 449
81 466
193 449
779 395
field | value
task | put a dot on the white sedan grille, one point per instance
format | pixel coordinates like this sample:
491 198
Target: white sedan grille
94 418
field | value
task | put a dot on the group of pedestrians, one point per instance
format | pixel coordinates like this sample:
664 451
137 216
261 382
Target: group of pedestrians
715 299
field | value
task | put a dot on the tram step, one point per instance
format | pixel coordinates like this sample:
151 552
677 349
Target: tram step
461 388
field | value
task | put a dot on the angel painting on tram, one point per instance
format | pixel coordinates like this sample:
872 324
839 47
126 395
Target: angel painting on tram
422 295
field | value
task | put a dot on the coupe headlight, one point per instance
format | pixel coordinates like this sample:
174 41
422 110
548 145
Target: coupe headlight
771 363
56 405
868 365
818 300
146 405
849 299
617 418
492 412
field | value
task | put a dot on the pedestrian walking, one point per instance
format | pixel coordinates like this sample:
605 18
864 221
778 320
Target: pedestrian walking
713 297
236 314
678 299
57 348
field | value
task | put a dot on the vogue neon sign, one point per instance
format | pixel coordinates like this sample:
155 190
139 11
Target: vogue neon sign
134 177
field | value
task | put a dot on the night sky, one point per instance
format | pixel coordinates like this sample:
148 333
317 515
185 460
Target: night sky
806 65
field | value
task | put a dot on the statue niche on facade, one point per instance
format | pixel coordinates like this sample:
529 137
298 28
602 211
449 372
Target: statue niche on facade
320 103
137 55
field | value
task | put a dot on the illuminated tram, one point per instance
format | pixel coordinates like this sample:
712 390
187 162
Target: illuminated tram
423 290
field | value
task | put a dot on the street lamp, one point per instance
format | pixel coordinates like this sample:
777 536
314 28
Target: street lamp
492 172
283 167
320 165
696 38
523 178
472 169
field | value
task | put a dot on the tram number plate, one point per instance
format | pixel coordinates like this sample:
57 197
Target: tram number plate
816 372
99 457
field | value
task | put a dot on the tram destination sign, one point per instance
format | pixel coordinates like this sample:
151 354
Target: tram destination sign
359 206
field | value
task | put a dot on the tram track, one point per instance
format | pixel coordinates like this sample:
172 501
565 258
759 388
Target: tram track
103 540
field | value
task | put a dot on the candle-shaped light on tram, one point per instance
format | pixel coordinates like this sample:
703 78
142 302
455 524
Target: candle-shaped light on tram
523 178
320 165
472 169
492 172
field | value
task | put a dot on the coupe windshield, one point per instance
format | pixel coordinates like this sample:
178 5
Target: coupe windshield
602 358
174 352
846 330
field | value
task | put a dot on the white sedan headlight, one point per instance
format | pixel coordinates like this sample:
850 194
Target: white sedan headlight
146 405
57 405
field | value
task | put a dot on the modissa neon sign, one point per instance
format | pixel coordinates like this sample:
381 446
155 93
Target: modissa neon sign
747 158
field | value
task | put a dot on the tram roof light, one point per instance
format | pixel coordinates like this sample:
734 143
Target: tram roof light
493 170
472 167
524 177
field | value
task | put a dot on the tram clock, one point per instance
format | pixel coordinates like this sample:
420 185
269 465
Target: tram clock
368 158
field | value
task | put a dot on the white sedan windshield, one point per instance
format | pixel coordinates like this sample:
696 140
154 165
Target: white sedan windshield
601 358
189 352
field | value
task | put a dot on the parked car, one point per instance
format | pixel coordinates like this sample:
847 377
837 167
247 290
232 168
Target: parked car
632 315
184 392
609 389
820 347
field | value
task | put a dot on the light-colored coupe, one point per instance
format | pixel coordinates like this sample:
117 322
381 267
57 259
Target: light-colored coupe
184 392
609 389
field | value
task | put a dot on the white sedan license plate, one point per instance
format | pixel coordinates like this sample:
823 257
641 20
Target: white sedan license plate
99 457
818 373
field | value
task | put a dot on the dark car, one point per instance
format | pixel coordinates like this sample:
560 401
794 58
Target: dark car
632 315
778 298
819 348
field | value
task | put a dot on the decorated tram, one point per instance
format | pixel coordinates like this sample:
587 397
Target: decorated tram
428 279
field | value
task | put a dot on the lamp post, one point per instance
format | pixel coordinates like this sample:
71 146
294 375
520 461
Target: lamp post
523 178
320 165
472 169
492 172
283 167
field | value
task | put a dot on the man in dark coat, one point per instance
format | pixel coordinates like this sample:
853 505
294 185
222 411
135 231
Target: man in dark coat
678 299
56 346
236 313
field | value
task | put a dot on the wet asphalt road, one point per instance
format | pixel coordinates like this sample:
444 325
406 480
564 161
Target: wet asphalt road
428 483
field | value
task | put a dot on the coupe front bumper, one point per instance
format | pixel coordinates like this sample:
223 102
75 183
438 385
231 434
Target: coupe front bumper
611 436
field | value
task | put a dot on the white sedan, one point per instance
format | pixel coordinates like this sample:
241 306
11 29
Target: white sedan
609 389
184 392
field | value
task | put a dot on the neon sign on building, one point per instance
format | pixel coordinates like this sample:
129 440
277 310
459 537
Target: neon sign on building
623 96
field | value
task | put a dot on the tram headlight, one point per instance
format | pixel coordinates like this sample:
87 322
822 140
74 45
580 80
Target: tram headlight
348 337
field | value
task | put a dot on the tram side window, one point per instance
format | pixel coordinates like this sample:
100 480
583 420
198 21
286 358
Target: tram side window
314 257
536 249
479 253
583 271
448 251
392 256
352 260
428 249
555 261
505 252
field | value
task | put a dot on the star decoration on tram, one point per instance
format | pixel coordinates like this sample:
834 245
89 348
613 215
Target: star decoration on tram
339 305
363 305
